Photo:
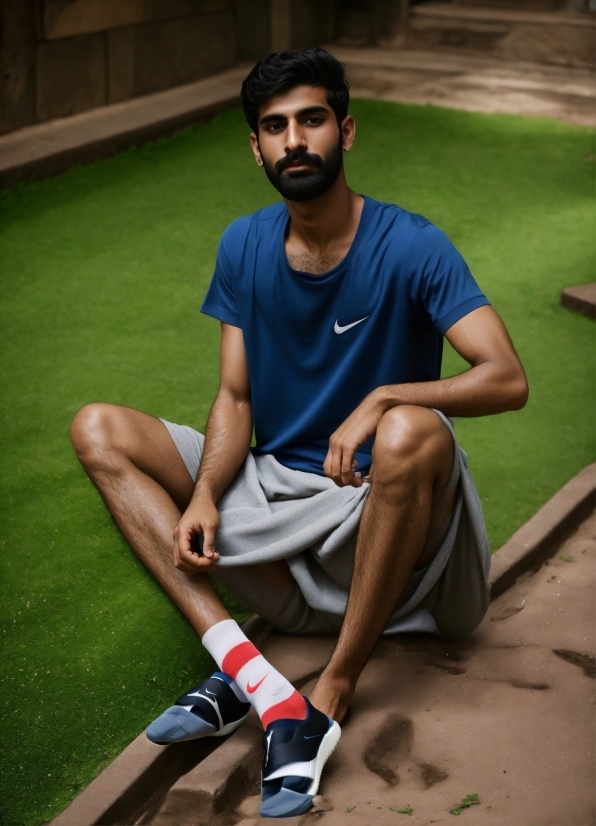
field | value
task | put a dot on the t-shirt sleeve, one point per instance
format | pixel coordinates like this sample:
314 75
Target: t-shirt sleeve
220 301
442 286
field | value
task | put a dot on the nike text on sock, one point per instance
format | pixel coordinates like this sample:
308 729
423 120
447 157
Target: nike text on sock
268 691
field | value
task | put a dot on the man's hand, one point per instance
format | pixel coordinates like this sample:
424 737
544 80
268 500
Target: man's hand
340 464
201 517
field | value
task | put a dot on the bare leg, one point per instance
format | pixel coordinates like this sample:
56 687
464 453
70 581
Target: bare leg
133 462
412 462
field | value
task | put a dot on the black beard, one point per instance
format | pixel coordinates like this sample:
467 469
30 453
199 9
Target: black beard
305 184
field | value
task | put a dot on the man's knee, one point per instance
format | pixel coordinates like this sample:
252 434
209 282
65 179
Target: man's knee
411 440
93 434
453 624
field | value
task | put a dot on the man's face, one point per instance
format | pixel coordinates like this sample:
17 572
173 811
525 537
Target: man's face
299 143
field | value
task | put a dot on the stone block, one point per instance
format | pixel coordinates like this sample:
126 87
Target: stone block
17 64
163 9
582 299
371 21
536 540
71 76
281 25
217 784
121 44
560 44
253 26
180 51
388 19
558 38
50 148
66 18
312 22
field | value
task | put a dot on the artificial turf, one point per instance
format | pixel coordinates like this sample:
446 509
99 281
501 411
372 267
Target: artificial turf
103 269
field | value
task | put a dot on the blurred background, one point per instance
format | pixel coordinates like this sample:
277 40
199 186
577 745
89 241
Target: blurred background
61 57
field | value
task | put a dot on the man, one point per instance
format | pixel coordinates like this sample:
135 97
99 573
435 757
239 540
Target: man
355 513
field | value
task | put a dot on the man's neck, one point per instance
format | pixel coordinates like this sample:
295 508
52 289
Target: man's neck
321 231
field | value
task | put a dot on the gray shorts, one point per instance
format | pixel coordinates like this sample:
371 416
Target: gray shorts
271 512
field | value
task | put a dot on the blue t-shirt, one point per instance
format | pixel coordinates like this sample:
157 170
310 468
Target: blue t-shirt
318 344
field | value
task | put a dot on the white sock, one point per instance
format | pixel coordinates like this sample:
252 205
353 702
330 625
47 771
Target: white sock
271 695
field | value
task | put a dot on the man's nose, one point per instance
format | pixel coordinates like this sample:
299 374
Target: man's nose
295 137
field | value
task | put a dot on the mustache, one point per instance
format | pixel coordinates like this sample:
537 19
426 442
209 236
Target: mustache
300 156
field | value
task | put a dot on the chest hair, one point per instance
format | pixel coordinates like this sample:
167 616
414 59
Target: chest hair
315 265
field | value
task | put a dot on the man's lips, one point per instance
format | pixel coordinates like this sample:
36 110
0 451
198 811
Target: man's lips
294 167
297 165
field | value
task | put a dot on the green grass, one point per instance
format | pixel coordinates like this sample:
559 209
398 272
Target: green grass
103 270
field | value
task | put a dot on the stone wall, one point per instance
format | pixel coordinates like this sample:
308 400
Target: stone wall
60 57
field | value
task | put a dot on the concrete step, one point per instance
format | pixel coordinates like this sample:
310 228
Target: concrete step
555 37
461 79
48 148
581 299
531 5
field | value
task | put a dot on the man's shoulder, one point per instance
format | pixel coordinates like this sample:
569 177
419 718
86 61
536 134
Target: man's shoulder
398 221
419 235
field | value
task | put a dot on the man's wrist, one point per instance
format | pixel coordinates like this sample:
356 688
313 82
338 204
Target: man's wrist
204 494
384 398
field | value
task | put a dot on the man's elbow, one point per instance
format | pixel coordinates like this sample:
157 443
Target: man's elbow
518 392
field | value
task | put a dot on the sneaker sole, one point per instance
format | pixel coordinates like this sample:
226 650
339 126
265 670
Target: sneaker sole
223 732
328 746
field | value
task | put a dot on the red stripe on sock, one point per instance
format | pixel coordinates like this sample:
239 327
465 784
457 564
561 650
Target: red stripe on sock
294 708
237 657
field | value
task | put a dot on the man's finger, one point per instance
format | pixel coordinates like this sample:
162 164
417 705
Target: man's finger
182 539
329 461
193 564
337 465
347 459
208 541
336 469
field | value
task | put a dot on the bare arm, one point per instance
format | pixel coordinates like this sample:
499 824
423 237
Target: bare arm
227 441
495 382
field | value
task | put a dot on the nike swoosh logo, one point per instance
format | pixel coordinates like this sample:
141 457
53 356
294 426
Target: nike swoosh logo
312 736
252 688
200 693
337 329
213 702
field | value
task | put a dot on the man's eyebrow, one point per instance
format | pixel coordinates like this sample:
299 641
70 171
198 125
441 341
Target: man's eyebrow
308 110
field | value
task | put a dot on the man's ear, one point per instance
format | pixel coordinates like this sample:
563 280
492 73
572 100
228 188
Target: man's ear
256 150
348 133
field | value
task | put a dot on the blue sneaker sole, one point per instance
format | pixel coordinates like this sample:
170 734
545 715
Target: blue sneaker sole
176 725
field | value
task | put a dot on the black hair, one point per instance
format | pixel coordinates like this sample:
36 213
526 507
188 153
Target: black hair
281 71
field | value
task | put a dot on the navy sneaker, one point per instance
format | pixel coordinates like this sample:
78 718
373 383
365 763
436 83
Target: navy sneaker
211 709
295 753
